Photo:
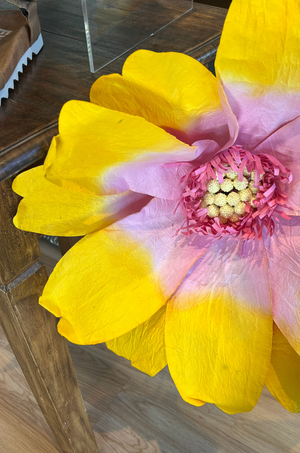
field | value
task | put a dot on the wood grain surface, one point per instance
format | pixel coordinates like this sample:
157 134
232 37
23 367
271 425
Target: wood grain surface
133 413
31 331
18 249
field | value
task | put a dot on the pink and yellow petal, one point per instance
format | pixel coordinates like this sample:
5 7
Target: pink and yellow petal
101 149
156 227
49 209
171 90
113 280
283 251
284 145
284 373
219 328
144 346
258 63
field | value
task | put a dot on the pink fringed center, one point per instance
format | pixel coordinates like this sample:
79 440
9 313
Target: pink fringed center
269 178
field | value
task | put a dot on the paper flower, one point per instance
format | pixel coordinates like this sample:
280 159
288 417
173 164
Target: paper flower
186 188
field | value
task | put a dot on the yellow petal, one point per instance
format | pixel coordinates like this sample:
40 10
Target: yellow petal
103 288
49 209
283 378
144 346
95 146
171 90
114 280
193 401
260 43
219 328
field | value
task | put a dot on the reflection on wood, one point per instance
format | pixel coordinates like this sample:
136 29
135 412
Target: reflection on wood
110 12
61 72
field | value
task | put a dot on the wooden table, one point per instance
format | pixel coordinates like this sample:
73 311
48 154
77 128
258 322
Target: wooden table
28 122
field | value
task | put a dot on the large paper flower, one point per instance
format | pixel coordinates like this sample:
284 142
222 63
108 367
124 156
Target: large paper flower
186 188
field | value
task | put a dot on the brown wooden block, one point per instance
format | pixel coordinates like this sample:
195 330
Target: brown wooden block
18 249
45 360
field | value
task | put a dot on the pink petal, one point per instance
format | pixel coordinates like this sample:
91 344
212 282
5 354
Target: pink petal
284 144
259 117
294 192
227 135
155 226
283 251
161 180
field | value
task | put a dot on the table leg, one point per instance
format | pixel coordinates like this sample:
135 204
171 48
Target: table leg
31 331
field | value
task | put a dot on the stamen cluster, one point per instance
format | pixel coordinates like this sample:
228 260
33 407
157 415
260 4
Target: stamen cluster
227 200
237 193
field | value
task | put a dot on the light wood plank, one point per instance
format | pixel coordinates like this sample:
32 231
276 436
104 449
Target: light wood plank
22 425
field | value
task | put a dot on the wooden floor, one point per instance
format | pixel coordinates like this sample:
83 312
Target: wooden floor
133 413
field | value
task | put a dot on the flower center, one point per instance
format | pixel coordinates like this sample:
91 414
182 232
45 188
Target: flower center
236 194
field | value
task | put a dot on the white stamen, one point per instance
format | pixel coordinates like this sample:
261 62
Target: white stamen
213 186
227 185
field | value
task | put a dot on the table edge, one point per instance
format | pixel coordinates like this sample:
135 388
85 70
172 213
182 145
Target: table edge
19 156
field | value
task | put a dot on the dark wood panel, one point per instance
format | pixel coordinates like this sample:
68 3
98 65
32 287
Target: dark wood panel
18 249
34 147
27 152
61 72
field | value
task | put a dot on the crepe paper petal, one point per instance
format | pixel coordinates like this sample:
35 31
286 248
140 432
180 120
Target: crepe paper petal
258 63
294 193
208 149
283 251
102 288
156 227
219 327
144 346
50 209
102 149
284 373
113 280
171 90
233 125
284 145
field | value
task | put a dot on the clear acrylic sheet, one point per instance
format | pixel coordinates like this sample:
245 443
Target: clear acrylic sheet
113 27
